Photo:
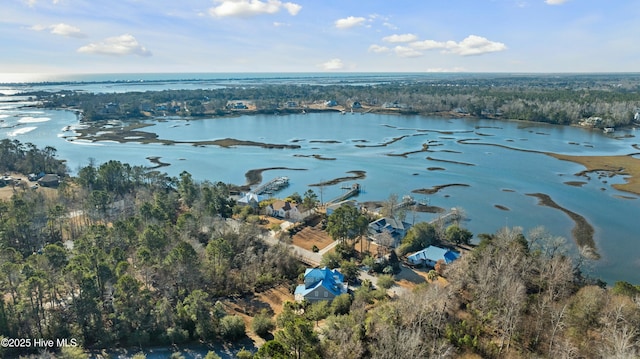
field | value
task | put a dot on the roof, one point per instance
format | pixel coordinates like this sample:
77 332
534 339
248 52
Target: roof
280 204
250 197
330 279
390 224
434 254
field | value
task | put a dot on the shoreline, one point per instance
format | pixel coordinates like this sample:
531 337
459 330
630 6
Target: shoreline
582 232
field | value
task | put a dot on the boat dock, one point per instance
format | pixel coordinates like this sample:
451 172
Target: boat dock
274 185
406 202
355 189
447 218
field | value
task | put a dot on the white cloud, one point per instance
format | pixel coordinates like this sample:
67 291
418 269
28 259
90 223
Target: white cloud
472 45
428 45
245 8
390 26
66 30
32 3
378 49
400 38
292 8
60 29
349 22
555 2
333 64
405 51
116 46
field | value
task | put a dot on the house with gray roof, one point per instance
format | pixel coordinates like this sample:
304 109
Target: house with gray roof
387 226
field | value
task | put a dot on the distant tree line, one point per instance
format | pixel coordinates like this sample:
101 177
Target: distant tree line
562 99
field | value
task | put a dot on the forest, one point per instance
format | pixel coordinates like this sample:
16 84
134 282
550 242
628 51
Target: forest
124 256
557 99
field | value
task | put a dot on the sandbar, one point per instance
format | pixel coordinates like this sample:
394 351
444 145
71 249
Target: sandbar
435 189
255 176
357 175
582 232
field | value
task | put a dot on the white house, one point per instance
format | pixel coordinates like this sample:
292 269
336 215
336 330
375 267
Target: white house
283 209
250 199
320 284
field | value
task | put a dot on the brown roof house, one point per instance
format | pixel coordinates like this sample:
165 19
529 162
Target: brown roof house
282 209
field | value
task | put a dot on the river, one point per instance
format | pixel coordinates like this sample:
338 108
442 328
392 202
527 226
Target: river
386 148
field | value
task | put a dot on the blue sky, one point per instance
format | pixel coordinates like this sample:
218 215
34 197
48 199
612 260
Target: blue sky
118 36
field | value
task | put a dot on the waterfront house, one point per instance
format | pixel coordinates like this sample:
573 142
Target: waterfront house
356 105
394 104
320 284
237 105
385 227
250 199
431 255
284 209
331 103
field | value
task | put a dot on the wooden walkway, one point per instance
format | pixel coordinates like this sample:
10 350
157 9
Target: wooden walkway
355 189
447 217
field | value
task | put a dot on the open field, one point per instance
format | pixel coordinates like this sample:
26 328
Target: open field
310 236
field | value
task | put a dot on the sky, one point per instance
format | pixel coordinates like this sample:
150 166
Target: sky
169 36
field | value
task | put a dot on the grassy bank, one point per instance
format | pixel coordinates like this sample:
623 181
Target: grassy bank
582 231
615 165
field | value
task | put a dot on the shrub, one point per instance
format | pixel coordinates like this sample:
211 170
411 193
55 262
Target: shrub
262 323
385 281
341 304
244 354
232 327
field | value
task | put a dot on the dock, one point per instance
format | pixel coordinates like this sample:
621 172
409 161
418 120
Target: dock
406 202
447 218
273 185
355 189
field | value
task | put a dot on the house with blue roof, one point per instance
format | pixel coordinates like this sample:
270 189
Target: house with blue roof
320 284
431 255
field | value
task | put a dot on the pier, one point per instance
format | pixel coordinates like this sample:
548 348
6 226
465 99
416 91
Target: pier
447 218
273 185
355 189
